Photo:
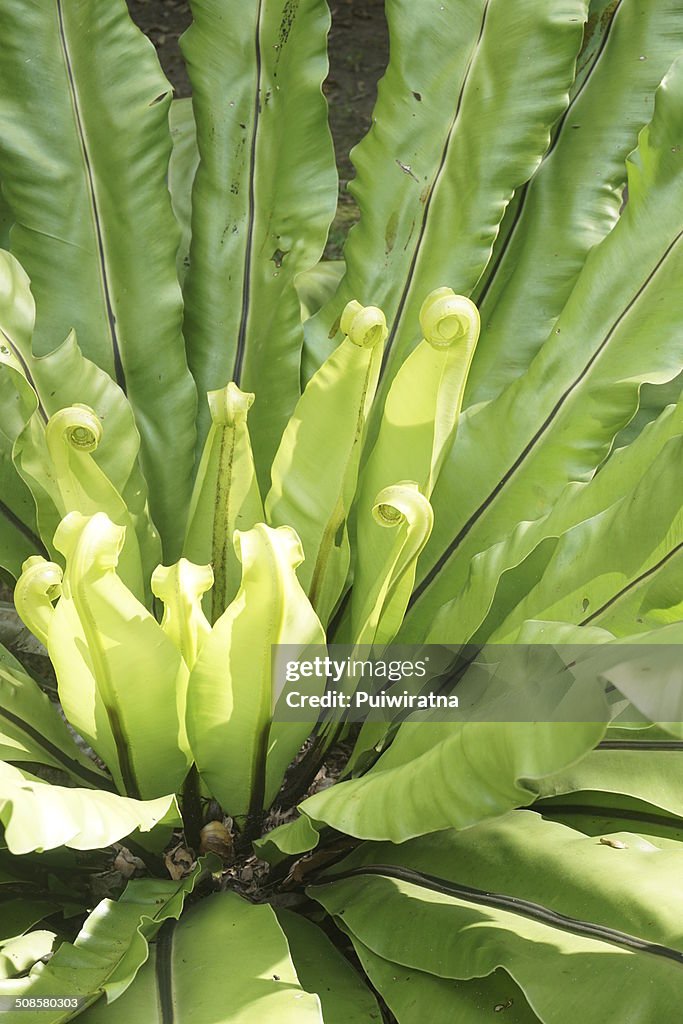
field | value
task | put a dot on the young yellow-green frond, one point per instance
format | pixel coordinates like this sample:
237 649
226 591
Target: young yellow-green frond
315 471
226 495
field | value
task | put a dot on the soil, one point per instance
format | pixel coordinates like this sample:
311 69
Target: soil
164 21
358 49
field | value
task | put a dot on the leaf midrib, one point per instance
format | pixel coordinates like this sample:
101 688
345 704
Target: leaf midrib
500 256
554 810
163 966
23 529
531 445
513 905
432 190
69 764
16 352
646 574
119 373
251 211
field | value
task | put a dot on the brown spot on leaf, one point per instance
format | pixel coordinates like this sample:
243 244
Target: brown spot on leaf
390 233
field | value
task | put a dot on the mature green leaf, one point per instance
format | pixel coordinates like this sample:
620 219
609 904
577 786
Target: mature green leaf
264 196
20 954
31 729
230 693
316 286
226 962
602 571
40 816
513 456
654 398
415 996
462 119
181 171
558 910
574 197
85 177
296 836
598 814
635 781
505 573
23 425
19 536
437 775
18 915
321 968
6 220
36 389
595 34
647 671
109 950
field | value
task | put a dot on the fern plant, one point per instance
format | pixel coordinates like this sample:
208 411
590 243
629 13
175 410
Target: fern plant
468 434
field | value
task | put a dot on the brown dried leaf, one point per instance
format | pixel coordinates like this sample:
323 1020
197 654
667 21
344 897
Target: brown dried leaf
179 862
126 863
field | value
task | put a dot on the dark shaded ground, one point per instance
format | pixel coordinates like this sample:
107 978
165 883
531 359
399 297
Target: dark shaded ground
358 50
164 21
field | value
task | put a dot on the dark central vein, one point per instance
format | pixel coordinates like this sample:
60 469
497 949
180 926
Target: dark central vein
25 530
251 212
425 215
90 177
634 583
514 905
524 191
675 745
164 971
542 430
620 813
16 352
92 778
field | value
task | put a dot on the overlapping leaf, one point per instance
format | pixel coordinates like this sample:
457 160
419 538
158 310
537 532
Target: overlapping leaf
514 455
231 691
122 682
603 571
502 576
546 903
108 951
414 996
431 186
85 178
39 816
35 389
31 729
227 960
264 195
574 197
